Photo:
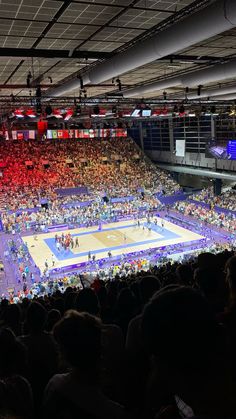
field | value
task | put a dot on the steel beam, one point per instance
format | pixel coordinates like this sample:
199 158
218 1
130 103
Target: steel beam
69 100
21 19
47 86
48 53
100 3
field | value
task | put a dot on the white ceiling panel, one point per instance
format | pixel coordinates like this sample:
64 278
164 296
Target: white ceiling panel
71 31
89 14
101 46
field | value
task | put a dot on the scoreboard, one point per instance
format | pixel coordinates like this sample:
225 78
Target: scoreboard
231 150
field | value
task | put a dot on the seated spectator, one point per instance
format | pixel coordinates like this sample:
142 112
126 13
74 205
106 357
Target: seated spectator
112 342
126 308
211 283
87 301
206 260
16 398
148 285
53 317
137 360
184 274
70 298
228 316
189 353
42 352
231 277
12 318
77 394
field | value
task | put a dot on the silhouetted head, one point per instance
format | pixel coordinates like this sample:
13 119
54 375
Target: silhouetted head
148 285
208 280
181 332
36 317
206 260
188 349
79 339
126 301
184 274
87 301
12 354
53 317
12 315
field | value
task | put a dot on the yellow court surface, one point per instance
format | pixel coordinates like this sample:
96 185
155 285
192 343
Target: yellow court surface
119 238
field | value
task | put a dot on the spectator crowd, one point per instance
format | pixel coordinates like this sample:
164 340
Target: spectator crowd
32 170
135 340
76 214
158 343
205 215
225 200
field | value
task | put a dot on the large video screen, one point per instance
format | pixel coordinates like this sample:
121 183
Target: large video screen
231 150
225 150
146 112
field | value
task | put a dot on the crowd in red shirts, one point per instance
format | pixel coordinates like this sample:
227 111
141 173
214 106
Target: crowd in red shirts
34 169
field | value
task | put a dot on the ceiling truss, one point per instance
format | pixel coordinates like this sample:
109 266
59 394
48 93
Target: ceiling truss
63 39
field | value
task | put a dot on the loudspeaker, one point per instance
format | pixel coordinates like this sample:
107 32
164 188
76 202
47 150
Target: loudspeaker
48 110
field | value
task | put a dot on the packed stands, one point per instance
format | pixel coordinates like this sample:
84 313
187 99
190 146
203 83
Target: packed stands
117 281
222 220
226 200
106 167
80 343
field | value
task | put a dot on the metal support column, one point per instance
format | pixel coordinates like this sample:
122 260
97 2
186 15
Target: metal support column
141 135
213 133
171 135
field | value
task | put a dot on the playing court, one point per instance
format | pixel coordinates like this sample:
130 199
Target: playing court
118 238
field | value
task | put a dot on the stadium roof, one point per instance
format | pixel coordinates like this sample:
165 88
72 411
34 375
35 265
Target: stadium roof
57 41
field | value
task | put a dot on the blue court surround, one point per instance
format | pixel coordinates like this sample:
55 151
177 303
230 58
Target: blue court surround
68 254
